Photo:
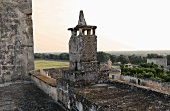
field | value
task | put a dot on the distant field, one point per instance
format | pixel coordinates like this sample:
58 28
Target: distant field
43 64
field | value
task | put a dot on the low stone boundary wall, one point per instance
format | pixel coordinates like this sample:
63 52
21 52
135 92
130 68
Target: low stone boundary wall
140 88
48 85
163 87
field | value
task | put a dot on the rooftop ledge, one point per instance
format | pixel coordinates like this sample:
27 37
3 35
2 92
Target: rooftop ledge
45 79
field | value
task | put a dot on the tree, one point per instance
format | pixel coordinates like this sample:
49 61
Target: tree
37 56
56 57
148 65
50 56
102 56
134 59
154 56
113 58
64 56
168 59
123 59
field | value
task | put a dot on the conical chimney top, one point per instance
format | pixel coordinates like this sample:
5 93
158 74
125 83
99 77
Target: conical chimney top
82 20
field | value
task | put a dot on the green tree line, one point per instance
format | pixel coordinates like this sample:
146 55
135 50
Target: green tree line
147 70
101 57
62 56
104 57
124 59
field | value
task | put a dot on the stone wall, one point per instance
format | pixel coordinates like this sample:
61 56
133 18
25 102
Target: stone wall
82 52
79 79
47 88
163 87
80 103
16 40
63 93
159 61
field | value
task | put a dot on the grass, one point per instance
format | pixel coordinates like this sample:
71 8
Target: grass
44 64
117 67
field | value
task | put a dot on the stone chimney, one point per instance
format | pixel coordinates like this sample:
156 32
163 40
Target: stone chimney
83 51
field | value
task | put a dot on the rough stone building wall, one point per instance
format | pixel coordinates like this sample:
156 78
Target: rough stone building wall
159 61
16 39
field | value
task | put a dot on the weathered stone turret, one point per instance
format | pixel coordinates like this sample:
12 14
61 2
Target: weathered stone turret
84 68
83 49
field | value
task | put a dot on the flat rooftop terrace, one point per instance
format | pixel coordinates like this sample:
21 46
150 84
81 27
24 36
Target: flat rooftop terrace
117 97
26 97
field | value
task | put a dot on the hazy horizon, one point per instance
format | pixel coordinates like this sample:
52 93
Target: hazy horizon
121 25
115 51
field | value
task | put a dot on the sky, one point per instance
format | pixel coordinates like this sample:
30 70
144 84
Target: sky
122 25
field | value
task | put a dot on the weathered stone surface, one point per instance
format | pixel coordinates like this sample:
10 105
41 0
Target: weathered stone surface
113 96
83 47
117 97
16 39
26 97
